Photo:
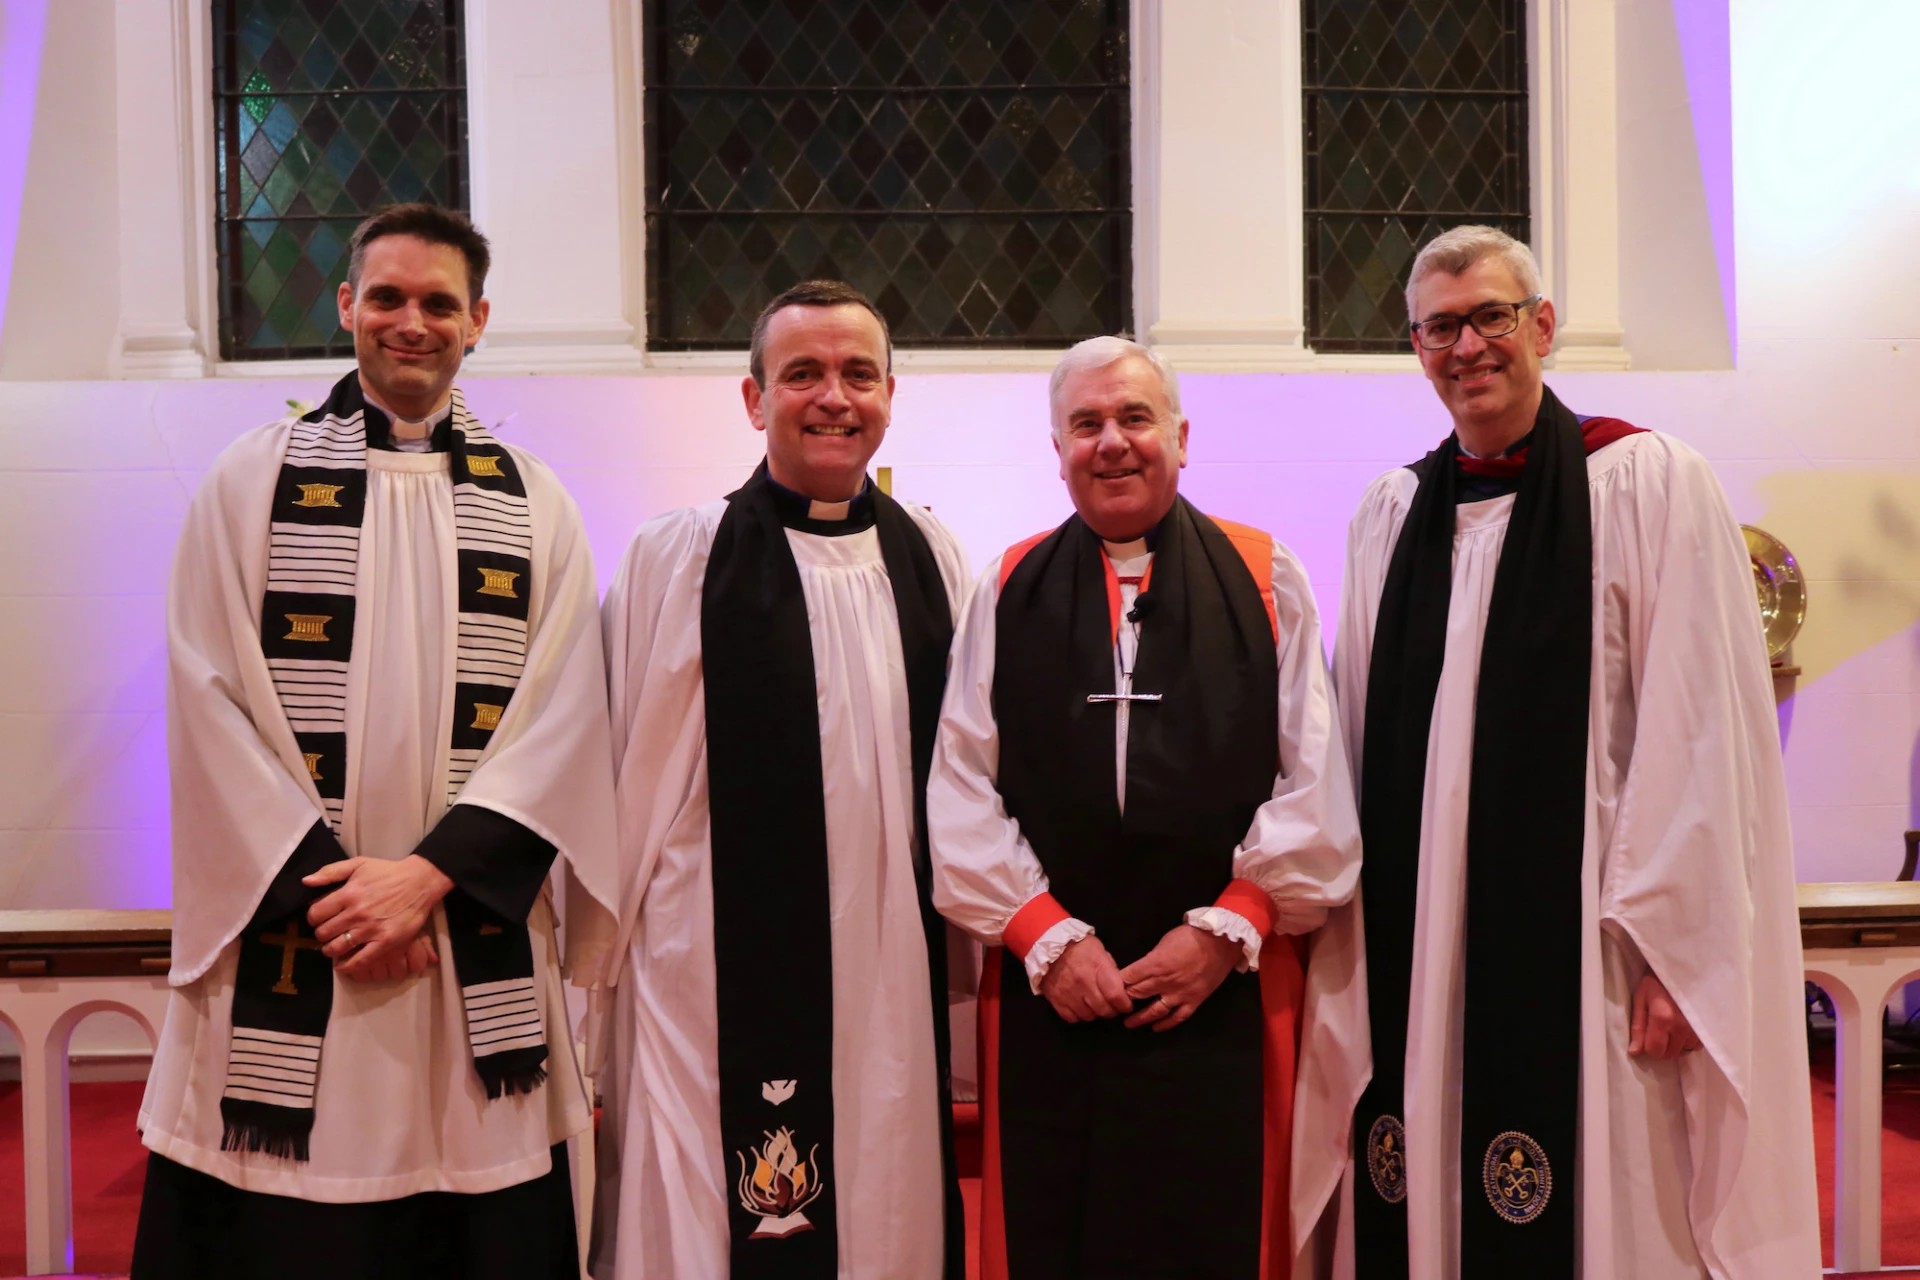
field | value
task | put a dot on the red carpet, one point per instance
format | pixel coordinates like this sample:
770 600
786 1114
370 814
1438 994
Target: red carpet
109 1168
109 1164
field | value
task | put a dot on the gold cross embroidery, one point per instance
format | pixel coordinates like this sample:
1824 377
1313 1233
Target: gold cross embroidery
289 943
313 764
499 582
311 627
486 716
318 495
484 464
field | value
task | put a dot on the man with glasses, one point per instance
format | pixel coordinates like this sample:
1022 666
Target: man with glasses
1574 952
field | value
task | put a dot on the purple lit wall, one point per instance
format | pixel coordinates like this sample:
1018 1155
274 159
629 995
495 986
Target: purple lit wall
23 25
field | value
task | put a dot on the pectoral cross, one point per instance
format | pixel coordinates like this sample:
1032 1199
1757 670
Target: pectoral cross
289 943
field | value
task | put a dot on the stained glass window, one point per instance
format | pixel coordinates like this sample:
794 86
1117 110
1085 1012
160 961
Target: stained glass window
964 165
324 111
1416 121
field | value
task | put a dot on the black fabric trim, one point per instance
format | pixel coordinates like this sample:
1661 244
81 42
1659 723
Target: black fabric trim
772 928
286 894
500 863
1525 831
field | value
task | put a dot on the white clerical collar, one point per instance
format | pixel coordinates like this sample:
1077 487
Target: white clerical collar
1125 550
405 434
417 437
818 510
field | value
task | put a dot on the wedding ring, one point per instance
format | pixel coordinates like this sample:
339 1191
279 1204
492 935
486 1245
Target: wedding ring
348 935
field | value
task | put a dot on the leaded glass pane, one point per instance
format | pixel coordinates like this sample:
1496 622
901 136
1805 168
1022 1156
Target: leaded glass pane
324 111
1416 121
966 166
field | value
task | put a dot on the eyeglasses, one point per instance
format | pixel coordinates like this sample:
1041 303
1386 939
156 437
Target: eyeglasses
1494 320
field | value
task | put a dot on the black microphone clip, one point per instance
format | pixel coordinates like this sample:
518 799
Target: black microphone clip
1143 607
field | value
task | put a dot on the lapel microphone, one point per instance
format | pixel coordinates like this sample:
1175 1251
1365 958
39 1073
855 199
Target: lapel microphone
1143 606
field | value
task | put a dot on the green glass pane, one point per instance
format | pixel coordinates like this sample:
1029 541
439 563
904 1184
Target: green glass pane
263 284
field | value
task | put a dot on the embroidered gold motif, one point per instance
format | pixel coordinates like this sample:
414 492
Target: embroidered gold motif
488 930
499 582
1518 1179
779 1186
310 627
318 495
484 464
289 943
1387 1158
486 716
313 764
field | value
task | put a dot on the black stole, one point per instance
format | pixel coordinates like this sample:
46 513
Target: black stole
1525 829
773 941
1100 1124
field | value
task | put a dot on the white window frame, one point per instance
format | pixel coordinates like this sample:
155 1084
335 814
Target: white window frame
1218 192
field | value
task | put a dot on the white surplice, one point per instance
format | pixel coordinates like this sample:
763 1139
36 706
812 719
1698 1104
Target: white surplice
399 1108
664 1182
1303 846
1701 1166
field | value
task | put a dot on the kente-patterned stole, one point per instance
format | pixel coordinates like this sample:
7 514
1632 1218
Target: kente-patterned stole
283 993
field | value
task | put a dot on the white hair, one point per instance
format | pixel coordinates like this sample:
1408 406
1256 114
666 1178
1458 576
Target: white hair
1456 250
1098 353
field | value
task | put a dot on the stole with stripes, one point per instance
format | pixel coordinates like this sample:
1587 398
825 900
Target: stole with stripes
283 989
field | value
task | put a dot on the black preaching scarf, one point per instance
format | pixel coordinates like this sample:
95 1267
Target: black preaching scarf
772 933
1525 828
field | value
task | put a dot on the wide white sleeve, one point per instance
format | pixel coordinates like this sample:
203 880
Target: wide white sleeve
242 797
656 696
1303 847
984 871
1698 871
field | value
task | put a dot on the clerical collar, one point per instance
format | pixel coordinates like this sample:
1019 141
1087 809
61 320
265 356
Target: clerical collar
392 432
830 519
1124 551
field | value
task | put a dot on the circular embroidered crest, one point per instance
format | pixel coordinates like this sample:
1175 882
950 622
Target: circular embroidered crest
1387 1159
1518 1178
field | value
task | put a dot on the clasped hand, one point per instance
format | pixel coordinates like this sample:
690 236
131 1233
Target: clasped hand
374 926
1181 971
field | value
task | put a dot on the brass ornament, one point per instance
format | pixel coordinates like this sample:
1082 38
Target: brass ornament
1780 586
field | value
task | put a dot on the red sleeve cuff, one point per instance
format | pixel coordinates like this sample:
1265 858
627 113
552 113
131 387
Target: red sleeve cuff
1030 922
1246 899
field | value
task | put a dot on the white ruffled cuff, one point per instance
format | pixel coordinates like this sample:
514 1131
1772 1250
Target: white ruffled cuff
1231 925
1050 944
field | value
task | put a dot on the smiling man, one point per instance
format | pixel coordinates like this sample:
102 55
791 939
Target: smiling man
386 716
1138 798
777 1101
1579 970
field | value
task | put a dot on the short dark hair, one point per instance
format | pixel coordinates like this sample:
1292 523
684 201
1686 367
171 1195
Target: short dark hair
811 293
427 222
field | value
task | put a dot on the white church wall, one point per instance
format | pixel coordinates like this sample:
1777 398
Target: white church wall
1812 432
